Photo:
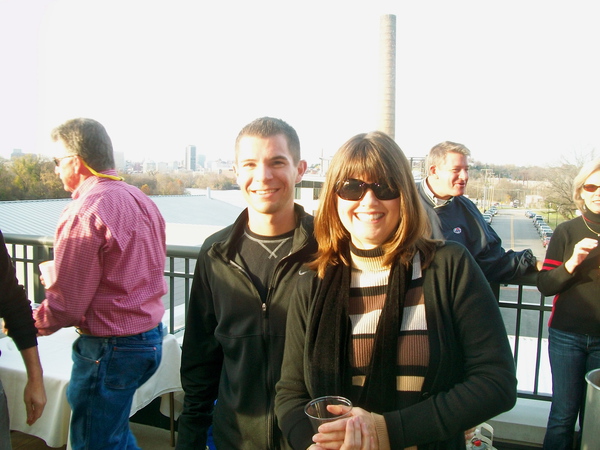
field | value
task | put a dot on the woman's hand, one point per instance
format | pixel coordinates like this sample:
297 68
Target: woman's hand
354 433
581 250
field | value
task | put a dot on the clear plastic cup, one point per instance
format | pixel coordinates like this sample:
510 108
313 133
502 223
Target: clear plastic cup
318 413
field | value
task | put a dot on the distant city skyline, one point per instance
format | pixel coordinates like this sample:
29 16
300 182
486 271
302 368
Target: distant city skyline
516 82
186 161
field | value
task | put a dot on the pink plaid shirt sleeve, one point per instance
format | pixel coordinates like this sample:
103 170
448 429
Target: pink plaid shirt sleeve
109 256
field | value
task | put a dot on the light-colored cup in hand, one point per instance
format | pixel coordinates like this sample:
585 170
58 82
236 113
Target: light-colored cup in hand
318 413
48 272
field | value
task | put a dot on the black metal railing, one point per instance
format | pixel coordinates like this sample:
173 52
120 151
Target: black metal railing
524 309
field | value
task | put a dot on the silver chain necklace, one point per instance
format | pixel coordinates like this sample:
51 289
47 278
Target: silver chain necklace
588 227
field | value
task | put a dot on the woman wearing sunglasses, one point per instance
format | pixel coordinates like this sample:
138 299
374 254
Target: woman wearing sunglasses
571 273
405 327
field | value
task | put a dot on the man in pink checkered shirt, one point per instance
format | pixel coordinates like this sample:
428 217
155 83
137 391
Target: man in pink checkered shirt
109 256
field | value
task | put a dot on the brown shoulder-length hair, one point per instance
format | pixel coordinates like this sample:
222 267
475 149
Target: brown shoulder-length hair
374 157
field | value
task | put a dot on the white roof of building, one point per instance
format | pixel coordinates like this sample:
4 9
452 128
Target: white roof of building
190 218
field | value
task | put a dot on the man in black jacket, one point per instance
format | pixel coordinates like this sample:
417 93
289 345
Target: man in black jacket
15 308
456 218
244 276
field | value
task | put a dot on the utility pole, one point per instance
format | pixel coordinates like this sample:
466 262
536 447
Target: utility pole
487 173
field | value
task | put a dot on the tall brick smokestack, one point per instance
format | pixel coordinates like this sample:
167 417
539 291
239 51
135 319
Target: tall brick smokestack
387 73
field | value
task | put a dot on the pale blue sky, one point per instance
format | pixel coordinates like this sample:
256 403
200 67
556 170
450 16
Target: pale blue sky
515 81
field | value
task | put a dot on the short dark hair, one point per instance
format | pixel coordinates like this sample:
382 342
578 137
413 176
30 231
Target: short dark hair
88 139
265 127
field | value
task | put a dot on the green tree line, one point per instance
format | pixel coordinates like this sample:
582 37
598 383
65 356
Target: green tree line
29 177
32 177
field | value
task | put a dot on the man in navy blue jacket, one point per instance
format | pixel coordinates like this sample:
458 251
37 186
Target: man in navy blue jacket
456 218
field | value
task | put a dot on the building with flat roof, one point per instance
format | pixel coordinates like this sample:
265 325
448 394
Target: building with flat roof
190 219
190 157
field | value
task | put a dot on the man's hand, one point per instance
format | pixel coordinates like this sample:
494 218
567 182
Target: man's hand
35 400
35 393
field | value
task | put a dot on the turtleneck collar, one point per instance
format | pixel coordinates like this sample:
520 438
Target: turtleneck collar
591 217
367 260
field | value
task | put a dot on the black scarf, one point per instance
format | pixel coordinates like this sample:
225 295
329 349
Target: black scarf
329 336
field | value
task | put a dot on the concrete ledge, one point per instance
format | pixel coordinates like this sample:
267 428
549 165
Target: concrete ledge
525 423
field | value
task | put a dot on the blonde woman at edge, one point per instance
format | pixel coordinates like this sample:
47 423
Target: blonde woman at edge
571 274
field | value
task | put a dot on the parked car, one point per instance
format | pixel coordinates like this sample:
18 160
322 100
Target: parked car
487 217
540 224
546 241
537 221
546 234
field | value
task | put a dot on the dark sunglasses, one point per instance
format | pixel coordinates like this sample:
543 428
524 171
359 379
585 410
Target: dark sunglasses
355 190
590 187
58 160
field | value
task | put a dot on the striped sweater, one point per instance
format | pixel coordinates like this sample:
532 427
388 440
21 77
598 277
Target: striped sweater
368 287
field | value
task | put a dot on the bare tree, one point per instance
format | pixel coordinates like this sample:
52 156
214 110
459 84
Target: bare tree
560 181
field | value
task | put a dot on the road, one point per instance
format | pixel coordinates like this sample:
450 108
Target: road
517 231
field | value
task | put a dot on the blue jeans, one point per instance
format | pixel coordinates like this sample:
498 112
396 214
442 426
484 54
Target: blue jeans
106 373
572 355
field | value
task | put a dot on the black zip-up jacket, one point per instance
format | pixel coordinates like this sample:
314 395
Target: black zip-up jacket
233 343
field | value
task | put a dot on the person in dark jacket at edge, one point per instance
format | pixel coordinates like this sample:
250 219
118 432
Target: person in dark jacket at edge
244 277
455 217
15 309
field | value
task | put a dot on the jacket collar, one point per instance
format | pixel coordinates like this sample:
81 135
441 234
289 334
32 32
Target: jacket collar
304 228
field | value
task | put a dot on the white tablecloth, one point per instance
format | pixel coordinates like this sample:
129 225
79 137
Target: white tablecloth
55 354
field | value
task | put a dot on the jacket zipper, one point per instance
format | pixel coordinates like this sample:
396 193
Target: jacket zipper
265 310
265 315
270 420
